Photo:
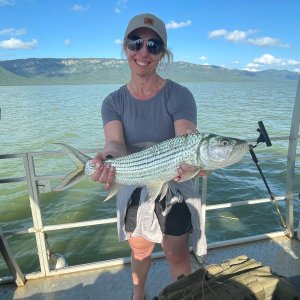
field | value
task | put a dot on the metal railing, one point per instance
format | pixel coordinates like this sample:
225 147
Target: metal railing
41 184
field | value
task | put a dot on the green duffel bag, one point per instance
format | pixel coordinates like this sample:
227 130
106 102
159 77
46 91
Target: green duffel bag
240 278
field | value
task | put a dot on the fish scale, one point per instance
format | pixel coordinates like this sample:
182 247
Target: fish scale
163 159
156 165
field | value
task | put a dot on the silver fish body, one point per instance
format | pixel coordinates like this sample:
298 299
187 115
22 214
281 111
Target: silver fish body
156 165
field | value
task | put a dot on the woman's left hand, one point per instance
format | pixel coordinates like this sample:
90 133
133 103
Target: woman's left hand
184 169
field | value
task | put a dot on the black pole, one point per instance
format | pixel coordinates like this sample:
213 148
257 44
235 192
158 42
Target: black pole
260 171
266 184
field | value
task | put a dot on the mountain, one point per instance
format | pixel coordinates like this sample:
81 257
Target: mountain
43 71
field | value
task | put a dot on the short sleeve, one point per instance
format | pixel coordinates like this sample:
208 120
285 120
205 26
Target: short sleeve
110 110
182 105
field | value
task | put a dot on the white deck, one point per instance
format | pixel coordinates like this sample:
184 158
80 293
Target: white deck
114 283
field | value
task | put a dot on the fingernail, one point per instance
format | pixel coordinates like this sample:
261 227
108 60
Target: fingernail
98 165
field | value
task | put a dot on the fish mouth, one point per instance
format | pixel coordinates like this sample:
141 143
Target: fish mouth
240 149
242 144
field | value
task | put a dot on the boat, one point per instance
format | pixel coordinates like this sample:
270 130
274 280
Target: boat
111 279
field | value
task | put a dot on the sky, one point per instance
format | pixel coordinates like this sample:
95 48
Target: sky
251 35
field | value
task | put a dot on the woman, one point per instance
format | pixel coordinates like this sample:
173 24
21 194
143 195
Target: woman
149 109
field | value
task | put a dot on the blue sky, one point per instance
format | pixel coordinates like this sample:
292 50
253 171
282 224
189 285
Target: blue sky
236 34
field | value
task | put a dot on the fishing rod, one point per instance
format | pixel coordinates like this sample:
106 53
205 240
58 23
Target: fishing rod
264 138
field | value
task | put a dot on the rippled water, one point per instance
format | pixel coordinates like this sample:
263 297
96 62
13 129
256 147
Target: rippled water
35 117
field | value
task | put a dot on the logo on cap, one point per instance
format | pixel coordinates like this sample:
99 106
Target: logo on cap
148 21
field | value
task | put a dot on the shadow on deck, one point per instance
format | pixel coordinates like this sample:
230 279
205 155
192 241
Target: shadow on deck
282 254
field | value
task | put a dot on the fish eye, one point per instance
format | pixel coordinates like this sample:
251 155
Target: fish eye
224 142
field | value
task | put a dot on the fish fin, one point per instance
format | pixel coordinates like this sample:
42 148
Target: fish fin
164 190
113 191
75 176
154 190
76 156
71 179
190 175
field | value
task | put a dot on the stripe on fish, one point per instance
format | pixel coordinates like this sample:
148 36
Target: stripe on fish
158 164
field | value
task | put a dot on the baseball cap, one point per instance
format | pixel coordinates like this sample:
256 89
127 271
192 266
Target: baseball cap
148 21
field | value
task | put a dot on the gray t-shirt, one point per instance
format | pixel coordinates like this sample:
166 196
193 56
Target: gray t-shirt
151 120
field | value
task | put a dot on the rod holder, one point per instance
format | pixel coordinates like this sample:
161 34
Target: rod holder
263 137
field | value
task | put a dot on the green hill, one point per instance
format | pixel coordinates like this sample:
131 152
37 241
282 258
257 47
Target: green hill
44 71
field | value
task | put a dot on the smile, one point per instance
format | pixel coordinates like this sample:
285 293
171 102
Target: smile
142 63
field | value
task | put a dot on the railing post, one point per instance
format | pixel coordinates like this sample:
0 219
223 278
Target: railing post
10 261
36 213
290 173
204 199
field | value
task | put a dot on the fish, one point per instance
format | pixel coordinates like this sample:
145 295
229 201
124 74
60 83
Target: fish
155 166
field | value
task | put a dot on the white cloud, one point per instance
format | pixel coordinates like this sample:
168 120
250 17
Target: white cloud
202 57
217 33
243 36
234 36
252 67
118 41
18 44
7 2
250 70
120 6
78 7
267 59
12 31
271 61
67 42
175 25
266 41
290 62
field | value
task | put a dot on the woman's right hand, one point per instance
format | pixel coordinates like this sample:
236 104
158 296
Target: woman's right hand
105 173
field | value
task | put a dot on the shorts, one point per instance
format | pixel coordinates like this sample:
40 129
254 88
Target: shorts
177 222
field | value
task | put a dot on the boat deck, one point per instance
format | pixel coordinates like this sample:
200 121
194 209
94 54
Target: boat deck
282 254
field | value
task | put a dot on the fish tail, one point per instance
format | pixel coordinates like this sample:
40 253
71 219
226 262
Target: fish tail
76 175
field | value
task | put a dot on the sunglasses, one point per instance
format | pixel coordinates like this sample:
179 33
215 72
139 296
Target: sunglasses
135 43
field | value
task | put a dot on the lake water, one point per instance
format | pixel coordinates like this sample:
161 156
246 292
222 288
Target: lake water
33 118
